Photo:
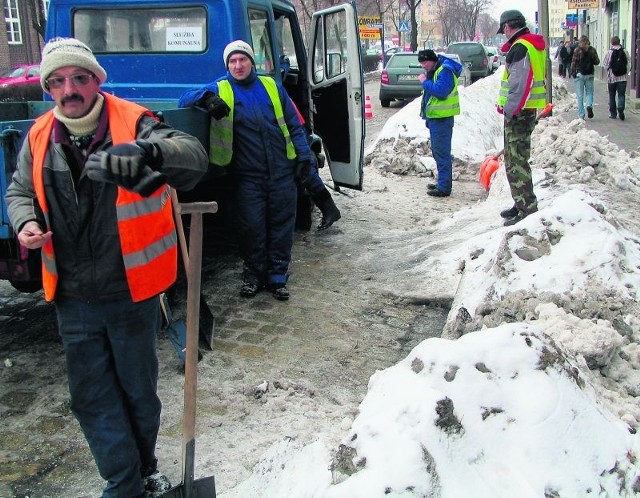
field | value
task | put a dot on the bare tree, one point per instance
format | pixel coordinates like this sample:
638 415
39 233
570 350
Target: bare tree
472 10
487 27
447 16
412 5
459 18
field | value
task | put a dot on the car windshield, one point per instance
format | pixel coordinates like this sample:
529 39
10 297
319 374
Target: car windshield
14 73
466 49
408 60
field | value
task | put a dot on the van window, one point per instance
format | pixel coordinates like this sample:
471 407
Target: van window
132 30
261 40
286 45
336 47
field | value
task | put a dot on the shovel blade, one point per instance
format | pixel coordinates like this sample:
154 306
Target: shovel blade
200 488
177 333
206 325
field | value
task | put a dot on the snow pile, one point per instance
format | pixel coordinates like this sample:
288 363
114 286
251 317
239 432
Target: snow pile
532 391
570 153
450 444
400 150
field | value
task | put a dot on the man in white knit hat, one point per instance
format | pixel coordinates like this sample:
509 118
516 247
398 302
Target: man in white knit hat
256 132
91 191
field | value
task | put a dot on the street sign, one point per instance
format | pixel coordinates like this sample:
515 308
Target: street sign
404 27
364 20
369 33
582 4
375 25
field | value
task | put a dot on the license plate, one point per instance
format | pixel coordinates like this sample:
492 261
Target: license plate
407 77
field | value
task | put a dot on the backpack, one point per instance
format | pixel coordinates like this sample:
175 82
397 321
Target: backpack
618 64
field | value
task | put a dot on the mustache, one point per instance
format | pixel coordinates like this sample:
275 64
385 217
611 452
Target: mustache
71 98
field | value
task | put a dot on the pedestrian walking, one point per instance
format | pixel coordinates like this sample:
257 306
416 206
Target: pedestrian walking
256 132
616 63
440 103
522 93
560 55
564 59
91 190
583 63
566 55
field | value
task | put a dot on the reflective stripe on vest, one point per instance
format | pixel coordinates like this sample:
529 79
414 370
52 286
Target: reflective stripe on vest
145 224
538 95
444 108
221 131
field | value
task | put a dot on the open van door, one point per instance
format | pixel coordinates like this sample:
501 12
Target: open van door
337 85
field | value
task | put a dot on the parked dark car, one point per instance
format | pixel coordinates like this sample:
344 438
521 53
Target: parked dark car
474 53
21 83
399 78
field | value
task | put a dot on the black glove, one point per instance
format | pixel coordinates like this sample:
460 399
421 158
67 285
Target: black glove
131 165
215 106
303 169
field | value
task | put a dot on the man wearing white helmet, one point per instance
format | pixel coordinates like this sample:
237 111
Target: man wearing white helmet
256 132
91 190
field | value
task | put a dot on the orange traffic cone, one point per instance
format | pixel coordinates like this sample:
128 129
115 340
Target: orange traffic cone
368 111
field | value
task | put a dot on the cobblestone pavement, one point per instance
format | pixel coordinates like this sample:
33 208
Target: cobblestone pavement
316 352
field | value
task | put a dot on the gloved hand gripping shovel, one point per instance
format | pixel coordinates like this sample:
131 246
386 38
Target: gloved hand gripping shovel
491 163
190 487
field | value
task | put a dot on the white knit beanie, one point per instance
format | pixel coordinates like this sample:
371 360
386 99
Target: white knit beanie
62 52
235 47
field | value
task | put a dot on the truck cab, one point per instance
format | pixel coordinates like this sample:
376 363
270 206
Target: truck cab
154 50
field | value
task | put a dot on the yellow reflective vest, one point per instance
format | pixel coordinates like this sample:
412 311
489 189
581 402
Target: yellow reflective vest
148 238
538 94
443 108
221 131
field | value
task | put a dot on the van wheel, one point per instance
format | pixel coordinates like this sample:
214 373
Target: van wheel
384 102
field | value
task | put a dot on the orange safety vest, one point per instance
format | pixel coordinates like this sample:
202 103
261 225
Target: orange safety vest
147 232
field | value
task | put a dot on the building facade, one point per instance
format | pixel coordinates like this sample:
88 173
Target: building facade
20 43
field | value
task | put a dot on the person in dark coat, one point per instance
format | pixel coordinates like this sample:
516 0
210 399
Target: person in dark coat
256 132
583 62
91 191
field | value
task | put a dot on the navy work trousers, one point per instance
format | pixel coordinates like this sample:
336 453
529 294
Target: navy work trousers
266 212
112 368
441 130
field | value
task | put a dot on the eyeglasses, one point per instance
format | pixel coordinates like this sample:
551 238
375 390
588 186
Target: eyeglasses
76 80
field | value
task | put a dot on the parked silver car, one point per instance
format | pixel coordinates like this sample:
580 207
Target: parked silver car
465 78
495 58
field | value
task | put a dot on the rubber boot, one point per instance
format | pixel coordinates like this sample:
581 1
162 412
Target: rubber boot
328 208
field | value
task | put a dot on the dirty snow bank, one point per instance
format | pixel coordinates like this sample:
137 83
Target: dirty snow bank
533 389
